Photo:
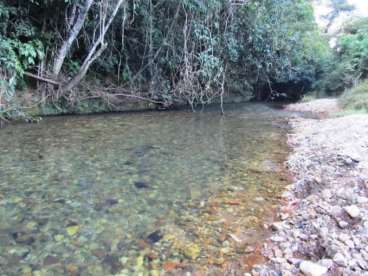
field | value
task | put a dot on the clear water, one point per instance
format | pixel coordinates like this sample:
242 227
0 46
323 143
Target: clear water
139 194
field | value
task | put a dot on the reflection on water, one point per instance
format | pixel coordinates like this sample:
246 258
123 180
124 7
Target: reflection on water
143 193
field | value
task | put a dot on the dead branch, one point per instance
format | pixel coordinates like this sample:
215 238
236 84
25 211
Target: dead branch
47 80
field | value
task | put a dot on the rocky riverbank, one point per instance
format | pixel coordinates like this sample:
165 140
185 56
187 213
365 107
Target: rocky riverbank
323 224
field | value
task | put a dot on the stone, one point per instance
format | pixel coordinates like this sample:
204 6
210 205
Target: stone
99 253
192 251
278 239
249 249
284 216
72 269
362 200
113 263
141 185
155 273
23 238
50 260
19 251
328 263
277 226
59 237
219 261
27 271
252 220
312 269
32 225
72 230
139 263
39 273
259 199
362 264
340 260
352 210
154 237
343 224
111 201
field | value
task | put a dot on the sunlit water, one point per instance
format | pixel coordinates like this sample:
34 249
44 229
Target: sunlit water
145 193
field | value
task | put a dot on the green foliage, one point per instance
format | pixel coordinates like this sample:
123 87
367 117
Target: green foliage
356 98
350 62
170 50
18 52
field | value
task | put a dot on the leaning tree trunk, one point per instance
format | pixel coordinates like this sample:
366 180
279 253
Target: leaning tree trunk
96 50
79 17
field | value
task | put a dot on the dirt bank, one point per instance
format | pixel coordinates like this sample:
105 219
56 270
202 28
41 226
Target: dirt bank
323 225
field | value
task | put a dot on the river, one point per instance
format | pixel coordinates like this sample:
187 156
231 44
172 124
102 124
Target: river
140 193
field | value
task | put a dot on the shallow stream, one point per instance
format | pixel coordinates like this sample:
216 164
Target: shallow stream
140 193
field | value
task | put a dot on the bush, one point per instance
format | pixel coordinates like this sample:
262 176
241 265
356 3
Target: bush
356 98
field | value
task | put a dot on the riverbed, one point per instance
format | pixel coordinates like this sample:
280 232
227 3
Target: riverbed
322 227
143 193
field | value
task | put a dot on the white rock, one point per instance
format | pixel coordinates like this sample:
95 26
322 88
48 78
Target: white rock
312 269
259 199
278 239
326 263
362 199
284 216
353 211
343 224
340 259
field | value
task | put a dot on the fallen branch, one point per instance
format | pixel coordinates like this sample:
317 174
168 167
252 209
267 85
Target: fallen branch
54 82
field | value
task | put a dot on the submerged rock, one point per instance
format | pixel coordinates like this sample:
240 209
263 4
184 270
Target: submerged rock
155 237
23 238
192 251
111 201
20 251
142 150
72 230
141 185
72 269
50 260
99 253
113 263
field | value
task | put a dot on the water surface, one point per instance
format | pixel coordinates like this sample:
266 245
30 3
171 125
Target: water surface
144 193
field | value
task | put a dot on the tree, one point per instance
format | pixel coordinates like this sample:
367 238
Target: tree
163 51
337 7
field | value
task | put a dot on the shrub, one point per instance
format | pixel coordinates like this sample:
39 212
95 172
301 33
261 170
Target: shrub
356 98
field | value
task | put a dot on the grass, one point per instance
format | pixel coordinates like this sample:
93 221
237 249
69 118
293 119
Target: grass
356 98
309 97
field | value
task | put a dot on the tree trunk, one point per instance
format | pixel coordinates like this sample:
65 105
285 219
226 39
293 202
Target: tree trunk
73 34
96 50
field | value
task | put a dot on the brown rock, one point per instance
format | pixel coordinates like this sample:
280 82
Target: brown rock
50 260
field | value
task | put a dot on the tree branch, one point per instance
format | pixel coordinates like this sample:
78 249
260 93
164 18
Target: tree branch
73 33
51 81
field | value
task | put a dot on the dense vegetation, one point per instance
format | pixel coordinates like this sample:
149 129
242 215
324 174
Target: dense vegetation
346 71
349 64
65 53
356 98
